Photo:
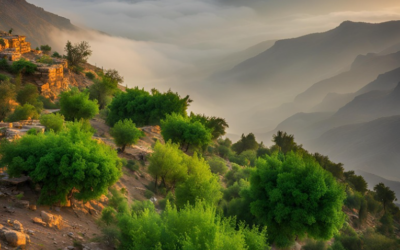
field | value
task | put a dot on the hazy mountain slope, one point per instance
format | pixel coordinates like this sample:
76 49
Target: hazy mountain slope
296 125
364 70
290 61
386 81
232 60
373 180
333 102
30 20
371 146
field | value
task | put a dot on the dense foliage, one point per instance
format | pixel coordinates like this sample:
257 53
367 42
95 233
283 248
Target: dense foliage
75 105
125 133
77 53
66 164
184 131
216 125
7 94
54 122
145 108
29 94
23 66
24 112
294 196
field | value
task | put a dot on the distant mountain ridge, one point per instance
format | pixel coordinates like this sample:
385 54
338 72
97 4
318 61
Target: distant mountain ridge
30 20
289 62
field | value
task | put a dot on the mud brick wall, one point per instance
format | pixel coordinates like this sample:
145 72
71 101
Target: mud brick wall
51 80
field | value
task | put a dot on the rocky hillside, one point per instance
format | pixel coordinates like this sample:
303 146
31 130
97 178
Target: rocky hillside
30 20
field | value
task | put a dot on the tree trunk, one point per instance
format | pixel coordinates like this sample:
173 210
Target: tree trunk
155 183
187 147
123 148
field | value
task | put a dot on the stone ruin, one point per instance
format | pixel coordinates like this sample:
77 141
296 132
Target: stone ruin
15 130
49 78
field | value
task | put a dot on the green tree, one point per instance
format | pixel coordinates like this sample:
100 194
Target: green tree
54 122
166 163
144 108
7 95
102 90
245 143
337 170
23 66
29 94
385 195
356 181
56 55
200 184
285 142
75 105
182 130
216 125
77 53
66 164
125 133
2 43
113 75
217 165
10 31
24 112
45 48
294 197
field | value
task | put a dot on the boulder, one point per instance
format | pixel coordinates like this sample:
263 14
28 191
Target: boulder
32 207
15 238
18 226
51 219
39 221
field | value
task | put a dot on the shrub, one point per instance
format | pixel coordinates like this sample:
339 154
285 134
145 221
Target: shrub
4 65
217 165
23 66
375 241
131 164
75 105
62 163
314 245
45 48
125 133
4 78
148 194
90 75
45 59
53 122
48 104
23 113
56 55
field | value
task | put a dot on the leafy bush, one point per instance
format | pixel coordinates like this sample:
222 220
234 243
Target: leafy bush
375 241
386 227
90 75
131 164
48 104
45 48
286 194
63 162
29 94
4 78
23 113
145 108
56 55
217 165
148 194
237 173
75 105
77 53
125 133
193 228
53 122
7 93
4 65
45 59
23 66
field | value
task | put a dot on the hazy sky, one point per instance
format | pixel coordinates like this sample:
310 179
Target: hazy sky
168 43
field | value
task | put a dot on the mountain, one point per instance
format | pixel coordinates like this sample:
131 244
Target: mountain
386 81
370 146
289 62
30 20
333 102
363 70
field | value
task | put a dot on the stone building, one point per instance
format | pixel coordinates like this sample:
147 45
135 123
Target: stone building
14 46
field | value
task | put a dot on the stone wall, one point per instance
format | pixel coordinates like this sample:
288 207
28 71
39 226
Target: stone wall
14 46
50 79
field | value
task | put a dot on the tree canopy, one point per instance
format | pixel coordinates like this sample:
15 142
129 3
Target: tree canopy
53 122
145 108
77 53
66 164
7 94
294 197
216 125
24 112
384 195
183 130
125 133
75 105
245 143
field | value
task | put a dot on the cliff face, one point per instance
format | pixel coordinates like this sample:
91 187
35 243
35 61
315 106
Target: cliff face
29 20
